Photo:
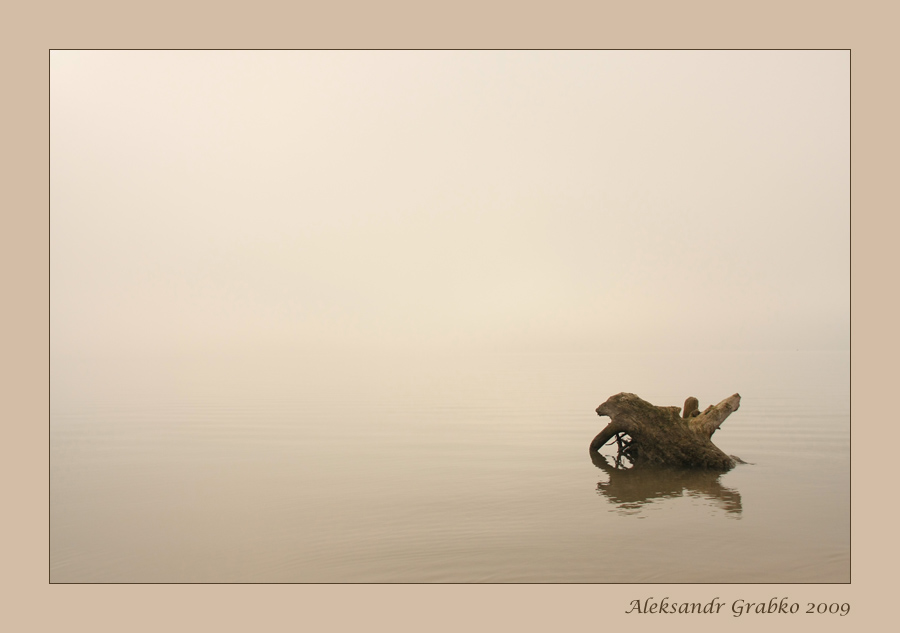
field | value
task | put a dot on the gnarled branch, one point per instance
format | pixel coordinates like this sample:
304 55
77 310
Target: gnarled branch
662 435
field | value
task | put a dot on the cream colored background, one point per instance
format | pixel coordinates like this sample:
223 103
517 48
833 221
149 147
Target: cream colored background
31 604
351 201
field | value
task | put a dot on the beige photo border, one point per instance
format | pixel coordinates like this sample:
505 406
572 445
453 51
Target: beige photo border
31 603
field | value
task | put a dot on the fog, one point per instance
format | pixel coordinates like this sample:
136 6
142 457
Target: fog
444 200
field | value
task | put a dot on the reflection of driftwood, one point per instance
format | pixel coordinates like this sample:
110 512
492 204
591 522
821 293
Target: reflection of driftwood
647 434
631 488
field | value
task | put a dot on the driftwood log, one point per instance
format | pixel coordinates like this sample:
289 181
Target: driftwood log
666 436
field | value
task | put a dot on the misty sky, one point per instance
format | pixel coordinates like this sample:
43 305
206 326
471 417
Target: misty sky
534 201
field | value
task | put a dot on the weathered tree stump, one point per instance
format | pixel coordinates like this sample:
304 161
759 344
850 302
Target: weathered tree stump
647 434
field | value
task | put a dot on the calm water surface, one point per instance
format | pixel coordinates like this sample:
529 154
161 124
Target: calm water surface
450 468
